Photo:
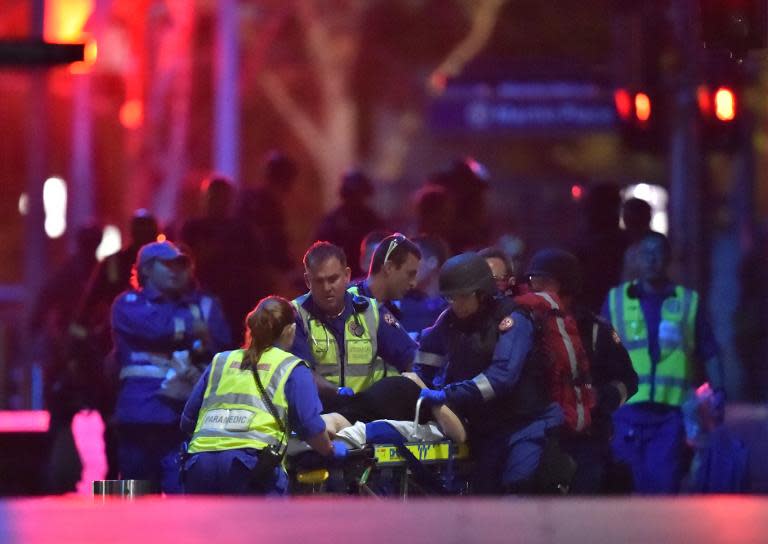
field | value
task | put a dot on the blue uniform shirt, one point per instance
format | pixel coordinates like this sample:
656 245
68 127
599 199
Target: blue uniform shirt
502 374
393 343
144 321
420 311
304 405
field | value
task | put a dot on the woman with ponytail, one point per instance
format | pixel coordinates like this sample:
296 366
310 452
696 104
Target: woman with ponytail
246 404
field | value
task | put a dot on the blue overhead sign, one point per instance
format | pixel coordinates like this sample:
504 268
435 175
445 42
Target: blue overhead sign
516 107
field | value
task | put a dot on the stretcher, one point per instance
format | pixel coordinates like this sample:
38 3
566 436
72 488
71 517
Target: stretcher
416 467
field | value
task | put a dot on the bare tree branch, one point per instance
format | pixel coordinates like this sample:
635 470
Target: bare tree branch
483 16
301 124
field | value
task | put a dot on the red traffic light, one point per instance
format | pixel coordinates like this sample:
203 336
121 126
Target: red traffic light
623 104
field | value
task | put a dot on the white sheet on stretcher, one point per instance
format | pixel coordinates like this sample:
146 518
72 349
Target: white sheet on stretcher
355 435
429 432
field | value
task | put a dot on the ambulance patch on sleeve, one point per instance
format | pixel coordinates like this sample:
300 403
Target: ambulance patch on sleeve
506 324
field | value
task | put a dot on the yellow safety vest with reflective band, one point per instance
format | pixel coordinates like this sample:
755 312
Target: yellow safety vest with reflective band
669 381
360 367
233 414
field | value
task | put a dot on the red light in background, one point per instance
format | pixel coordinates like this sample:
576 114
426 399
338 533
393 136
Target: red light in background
577 191
132 114
64 22
725 104
161 237
704 98
642 107
623 104
437 82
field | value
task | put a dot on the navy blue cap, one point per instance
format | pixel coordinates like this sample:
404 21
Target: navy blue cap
165 251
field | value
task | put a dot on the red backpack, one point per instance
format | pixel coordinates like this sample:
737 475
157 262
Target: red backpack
568 378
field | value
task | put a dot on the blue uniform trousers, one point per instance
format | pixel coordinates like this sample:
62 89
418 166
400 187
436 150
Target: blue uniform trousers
150 452
230 472
651 441
506 462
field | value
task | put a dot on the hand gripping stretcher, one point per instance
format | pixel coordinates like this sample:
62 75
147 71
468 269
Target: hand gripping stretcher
421 465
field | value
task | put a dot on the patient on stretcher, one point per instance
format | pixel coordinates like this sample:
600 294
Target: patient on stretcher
385 413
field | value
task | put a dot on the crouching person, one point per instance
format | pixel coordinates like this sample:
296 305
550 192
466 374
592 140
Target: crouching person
481 351
245 405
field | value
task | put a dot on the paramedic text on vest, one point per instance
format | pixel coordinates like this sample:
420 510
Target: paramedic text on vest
662 325
160 329
483 349
237 440
349 340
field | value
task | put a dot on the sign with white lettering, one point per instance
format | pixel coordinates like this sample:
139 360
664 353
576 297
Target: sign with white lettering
510 107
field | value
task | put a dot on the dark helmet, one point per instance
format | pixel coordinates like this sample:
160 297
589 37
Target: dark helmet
559 265
466 273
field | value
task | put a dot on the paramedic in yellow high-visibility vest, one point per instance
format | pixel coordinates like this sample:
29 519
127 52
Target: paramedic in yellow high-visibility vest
350 341
663 327
245 405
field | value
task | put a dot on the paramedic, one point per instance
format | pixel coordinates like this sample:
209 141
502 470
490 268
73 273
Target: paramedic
244 405
349 340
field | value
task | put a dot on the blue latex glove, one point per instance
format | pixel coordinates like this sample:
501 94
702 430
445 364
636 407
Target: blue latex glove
433 396
345 392
340 450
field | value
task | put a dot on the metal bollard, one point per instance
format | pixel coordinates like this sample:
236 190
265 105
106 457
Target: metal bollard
125 489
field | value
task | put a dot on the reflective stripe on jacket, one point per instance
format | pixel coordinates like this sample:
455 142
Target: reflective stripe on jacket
667 381
233 413
360 367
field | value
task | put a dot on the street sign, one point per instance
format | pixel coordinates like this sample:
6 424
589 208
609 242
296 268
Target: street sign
522 107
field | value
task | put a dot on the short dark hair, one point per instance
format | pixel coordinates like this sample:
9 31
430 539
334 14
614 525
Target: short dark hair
320 252
373 238
398 253
433 246
496 253
279 168
637 213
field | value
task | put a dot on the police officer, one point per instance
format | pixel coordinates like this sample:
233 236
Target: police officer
613 379
161 329
392 273
663 327
481 349
244 406
349 340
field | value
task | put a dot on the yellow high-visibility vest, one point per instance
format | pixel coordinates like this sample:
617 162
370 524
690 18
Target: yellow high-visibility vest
233 413
360 367
669 381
